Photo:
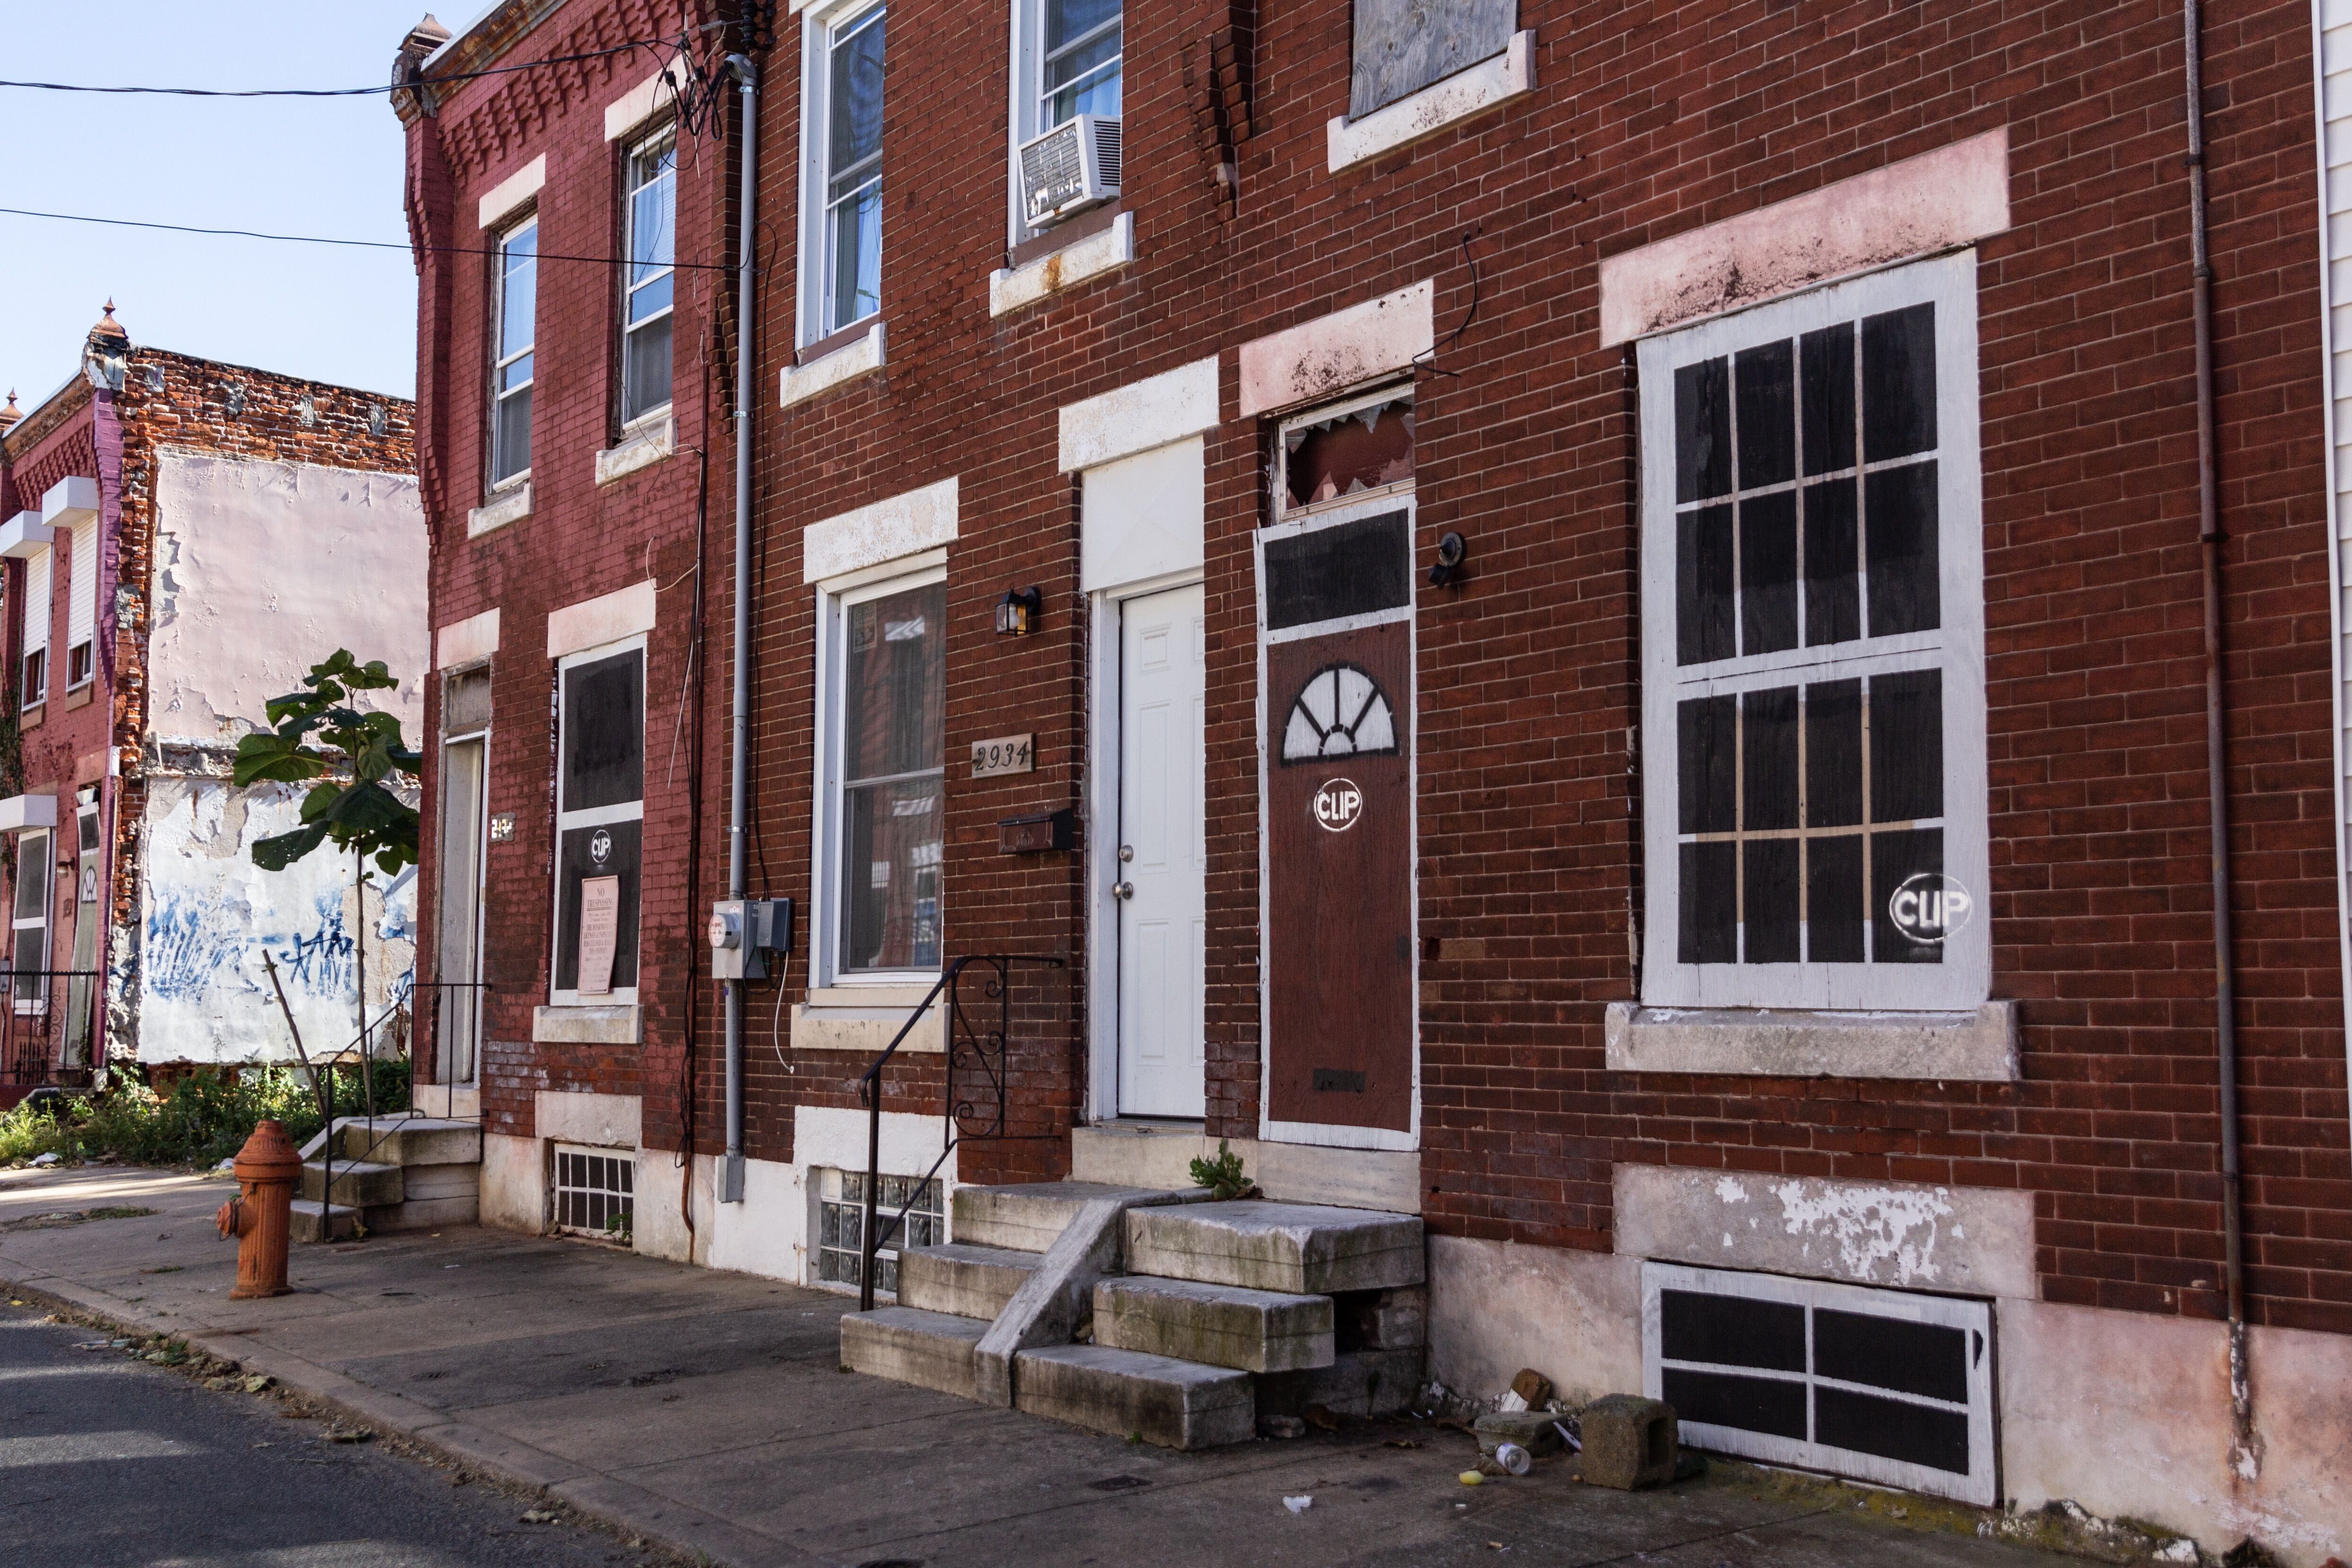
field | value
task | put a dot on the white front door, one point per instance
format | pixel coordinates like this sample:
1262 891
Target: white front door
1158 861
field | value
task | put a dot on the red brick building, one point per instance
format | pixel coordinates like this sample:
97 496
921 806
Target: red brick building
184 539
1619 628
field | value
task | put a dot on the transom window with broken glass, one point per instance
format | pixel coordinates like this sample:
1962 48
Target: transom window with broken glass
1815 553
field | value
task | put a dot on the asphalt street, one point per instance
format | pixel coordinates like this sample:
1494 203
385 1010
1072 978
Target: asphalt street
108 1462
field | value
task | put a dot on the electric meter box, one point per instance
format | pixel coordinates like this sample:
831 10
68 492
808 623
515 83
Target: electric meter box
743 932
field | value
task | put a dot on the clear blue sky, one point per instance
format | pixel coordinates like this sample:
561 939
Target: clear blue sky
318 166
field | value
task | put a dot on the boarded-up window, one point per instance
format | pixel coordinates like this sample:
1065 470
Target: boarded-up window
1403 46
600 826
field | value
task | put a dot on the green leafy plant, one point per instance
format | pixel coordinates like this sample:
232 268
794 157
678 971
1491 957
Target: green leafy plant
205 1120
356 756
1222 1175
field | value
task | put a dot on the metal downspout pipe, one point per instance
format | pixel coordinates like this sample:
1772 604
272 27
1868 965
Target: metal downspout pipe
738 741
2244 1452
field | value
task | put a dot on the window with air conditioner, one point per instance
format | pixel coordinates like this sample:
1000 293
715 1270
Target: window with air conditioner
1068 69
39 606
1813 730
841 143
515 334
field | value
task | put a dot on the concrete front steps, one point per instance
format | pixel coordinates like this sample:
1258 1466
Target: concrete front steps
402 1172
1155 1315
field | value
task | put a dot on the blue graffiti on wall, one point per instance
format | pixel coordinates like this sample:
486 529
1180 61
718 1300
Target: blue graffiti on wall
194 945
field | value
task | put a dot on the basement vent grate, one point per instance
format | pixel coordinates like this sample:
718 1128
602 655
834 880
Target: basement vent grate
595 1192
1881 1385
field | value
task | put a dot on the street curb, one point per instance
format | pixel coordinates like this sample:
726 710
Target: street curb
616 1504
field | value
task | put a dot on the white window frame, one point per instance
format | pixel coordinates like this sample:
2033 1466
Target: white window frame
40 609
38 1002
1963 980
470 1003
835 600
596 817
1974 1318
821 27
646 146
625 1160
1027 100
81 606
499 362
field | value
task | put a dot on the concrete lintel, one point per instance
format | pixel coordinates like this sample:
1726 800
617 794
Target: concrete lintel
465 642
608 617
25 536
22 811
1442 104
509 507
511 192
1328 355
1966 1047
865 1030
889 530
1157 411
599 1120
604 1024
70 503
639 104
1976 1241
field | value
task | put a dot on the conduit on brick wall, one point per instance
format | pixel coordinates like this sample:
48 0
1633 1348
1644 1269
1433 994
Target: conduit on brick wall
2245 1456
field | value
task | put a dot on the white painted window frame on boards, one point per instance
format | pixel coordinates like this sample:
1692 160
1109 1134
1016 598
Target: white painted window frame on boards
1963 980
1289 522
836 596
596 817
820 24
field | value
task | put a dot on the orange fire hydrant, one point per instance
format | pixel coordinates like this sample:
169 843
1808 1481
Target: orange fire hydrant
261 1214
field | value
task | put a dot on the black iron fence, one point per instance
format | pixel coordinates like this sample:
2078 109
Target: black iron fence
48 1025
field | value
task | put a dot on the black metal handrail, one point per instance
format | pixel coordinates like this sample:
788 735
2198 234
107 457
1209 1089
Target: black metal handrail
32 1026
966 1046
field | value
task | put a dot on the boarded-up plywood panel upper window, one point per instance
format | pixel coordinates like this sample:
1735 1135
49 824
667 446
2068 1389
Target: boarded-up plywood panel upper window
1403 46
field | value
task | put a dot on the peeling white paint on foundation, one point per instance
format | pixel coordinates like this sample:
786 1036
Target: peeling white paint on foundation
1876 1231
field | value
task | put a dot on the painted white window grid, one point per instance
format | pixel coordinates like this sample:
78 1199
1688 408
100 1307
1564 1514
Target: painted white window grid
1068 60
81 608
1972 1320
568 819
29 941
838 1226
514 336
39 606
649 277
842 87
595 1190
830 819
1955 647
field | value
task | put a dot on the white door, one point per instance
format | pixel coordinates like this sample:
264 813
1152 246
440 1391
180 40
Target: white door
1158 861
461 1001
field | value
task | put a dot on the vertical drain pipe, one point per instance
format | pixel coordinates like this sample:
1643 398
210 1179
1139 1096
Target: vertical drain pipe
2244 1457
739 743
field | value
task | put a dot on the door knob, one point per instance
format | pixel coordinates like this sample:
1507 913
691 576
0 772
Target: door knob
1122 890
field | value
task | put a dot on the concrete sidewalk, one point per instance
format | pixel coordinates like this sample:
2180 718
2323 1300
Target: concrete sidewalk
707 1410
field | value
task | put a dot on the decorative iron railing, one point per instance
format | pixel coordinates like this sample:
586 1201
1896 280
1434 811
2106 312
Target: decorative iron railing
48 1025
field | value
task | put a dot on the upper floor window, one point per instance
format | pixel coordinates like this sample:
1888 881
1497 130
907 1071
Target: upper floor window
39 604
81 606
516 333
1081 60
646 311
843 201
1813 650
1403 46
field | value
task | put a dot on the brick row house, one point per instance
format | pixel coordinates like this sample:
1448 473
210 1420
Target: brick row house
184 539
1581 630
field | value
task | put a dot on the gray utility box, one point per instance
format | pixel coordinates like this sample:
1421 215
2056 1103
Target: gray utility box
743 932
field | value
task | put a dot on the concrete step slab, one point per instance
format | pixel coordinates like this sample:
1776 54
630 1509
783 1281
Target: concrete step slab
1217 1325
966 1280
907 1344
409 1140
1029 1216
1130 1393
309 1222
1356 1382
426 1214
1299 1249
363 1183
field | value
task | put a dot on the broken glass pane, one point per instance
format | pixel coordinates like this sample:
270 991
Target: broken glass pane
1356 451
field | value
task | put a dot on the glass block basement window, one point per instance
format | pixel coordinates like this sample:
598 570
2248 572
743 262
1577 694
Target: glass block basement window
595 1192
1881 1385
841 1224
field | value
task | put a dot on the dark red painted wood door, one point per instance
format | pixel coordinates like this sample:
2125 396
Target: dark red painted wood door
1339 958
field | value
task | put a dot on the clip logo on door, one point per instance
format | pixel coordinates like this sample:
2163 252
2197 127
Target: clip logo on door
1339 805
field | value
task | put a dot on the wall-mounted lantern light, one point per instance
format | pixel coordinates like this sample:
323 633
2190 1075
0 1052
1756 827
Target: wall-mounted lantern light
1450 553
1016 615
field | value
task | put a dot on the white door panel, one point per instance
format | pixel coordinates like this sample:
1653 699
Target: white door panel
1158 855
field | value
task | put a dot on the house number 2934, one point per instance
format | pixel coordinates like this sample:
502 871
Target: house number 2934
1004 754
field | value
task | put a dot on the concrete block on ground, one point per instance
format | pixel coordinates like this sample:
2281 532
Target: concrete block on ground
363 1184
1628 1441
1029 1216
1300 1249
1356 1382
968 1281
1171 1402
907 1344
307 1222
1220 1325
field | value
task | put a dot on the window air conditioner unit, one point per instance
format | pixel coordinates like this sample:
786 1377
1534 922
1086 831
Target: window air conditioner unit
1071 166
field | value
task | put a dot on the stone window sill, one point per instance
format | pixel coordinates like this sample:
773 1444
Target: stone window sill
864 1019
1979 1047
652 439
1436 107
600 1024
1085 259
508 505
32 716
860 356
80 696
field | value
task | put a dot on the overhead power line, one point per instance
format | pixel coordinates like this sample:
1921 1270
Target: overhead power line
337 91
361 244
